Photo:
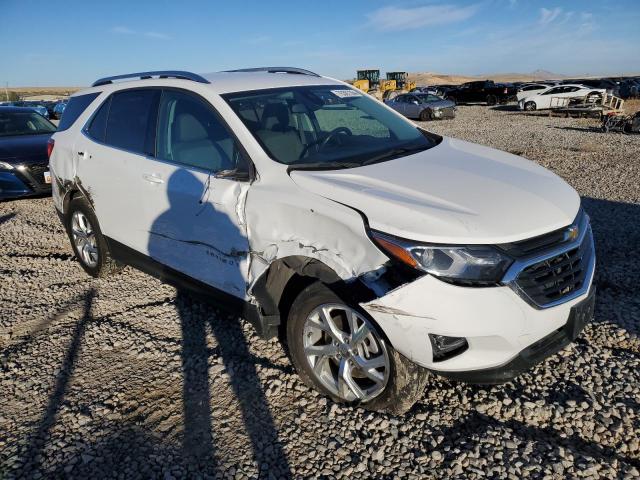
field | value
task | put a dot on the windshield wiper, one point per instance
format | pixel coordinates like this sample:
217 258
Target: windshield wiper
393 153
323 166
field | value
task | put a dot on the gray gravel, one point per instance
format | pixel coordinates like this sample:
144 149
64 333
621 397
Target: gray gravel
125 378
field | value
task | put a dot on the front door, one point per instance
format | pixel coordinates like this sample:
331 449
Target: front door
195 219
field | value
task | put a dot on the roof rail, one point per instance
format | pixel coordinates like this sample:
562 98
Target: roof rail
298 71
146 75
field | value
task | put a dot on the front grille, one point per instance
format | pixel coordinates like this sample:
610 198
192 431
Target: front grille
447 112
559 277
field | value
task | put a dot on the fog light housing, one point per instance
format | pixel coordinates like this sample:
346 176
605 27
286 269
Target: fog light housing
446 347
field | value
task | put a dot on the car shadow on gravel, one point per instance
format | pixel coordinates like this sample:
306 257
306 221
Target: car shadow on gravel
506 108
171 235
198 320
547 439
6 218
581 129
36 443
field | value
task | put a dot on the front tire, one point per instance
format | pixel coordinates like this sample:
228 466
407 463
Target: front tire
425 115
338 350
87 241
530 106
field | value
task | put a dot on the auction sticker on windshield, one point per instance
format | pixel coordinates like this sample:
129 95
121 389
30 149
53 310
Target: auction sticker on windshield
346 93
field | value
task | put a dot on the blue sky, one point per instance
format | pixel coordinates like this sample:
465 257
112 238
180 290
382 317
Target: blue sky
74 42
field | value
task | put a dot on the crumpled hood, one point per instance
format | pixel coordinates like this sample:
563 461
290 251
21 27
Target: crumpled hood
24 148
440 104
456 192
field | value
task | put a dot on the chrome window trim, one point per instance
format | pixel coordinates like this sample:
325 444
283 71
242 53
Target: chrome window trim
519 265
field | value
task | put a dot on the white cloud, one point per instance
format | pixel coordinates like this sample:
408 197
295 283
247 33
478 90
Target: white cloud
161 36
396 18
120 30
258 40
547 16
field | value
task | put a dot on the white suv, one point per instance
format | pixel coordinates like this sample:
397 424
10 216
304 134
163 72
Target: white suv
379 251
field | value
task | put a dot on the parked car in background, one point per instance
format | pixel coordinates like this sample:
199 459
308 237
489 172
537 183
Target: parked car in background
543 99
528 89
58 110
423 106
629 88
379 251
24 160
425 89
485 91
36 106
609 86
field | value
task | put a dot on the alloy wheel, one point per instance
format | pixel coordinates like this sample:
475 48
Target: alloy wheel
346 354
84 239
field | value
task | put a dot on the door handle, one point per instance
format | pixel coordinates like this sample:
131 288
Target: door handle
83 155
152 178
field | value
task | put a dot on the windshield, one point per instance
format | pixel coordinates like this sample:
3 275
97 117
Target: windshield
326 126
24 123
428 98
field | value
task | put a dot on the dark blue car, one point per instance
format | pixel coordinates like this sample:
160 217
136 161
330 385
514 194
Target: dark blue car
24 159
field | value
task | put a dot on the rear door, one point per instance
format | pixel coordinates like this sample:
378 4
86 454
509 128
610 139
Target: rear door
111 158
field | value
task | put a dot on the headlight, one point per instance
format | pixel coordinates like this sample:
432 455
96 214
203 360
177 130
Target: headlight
475 264
6 166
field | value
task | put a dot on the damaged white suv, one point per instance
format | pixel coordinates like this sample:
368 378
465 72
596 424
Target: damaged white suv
379 251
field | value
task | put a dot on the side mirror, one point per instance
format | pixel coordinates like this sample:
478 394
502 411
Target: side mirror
240 175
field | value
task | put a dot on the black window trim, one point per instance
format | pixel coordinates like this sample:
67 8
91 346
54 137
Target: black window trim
97 95
220 118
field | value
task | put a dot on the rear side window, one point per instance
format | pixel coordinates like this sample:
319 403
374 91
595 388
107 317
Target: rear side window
98 127
131 120
74 109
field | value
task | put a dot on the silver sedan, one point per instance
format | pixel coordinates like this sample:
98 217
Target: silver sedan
423 106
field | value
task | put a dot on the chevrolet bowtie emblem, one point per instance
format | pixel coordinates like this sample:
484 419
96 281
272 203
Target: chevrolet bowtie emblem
571 233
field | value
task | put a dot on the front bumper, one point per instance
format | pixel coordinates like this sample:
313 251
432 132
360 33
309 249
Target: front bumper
580 314
26 181
505 334
444 113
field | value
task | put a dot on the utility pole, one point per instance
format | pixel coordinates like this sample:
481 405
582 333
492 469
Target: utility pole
6 90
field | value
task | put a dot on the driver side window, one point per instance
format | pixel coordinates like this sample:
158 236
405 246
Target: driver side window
191 134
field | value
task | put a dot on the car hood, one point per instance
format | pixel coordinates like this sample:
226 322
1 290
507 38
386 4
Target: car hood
439 104
21 148
456 192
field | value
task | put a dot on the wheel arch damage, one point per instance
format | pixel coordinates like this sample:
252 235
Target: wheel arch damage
302 238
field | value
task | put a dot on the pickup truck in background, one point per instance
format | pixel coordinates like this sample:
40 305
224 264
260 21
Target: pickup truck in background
485 91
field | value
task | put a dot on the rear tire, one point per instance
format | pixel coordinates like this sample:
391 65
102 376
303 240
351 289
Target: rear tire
530 106
492 100
87 241
331 366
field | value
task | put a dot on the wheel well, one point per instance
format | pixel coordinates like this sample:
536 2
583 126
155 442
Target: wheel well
283 281
68 197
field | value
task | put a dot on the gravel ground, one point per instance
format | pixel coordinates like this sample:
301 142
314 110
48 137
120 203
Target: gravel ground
125 378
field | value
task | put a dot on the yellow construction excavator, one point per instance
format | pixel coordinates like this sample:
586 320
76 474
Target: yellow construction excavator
402 81
369 81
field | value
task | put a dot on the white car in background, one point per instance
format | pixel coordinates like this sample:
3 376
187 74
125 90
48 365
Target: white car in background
543 98
530 89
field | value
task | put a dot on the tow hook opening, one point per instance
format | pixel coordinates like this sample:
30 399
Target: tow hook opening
445 347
